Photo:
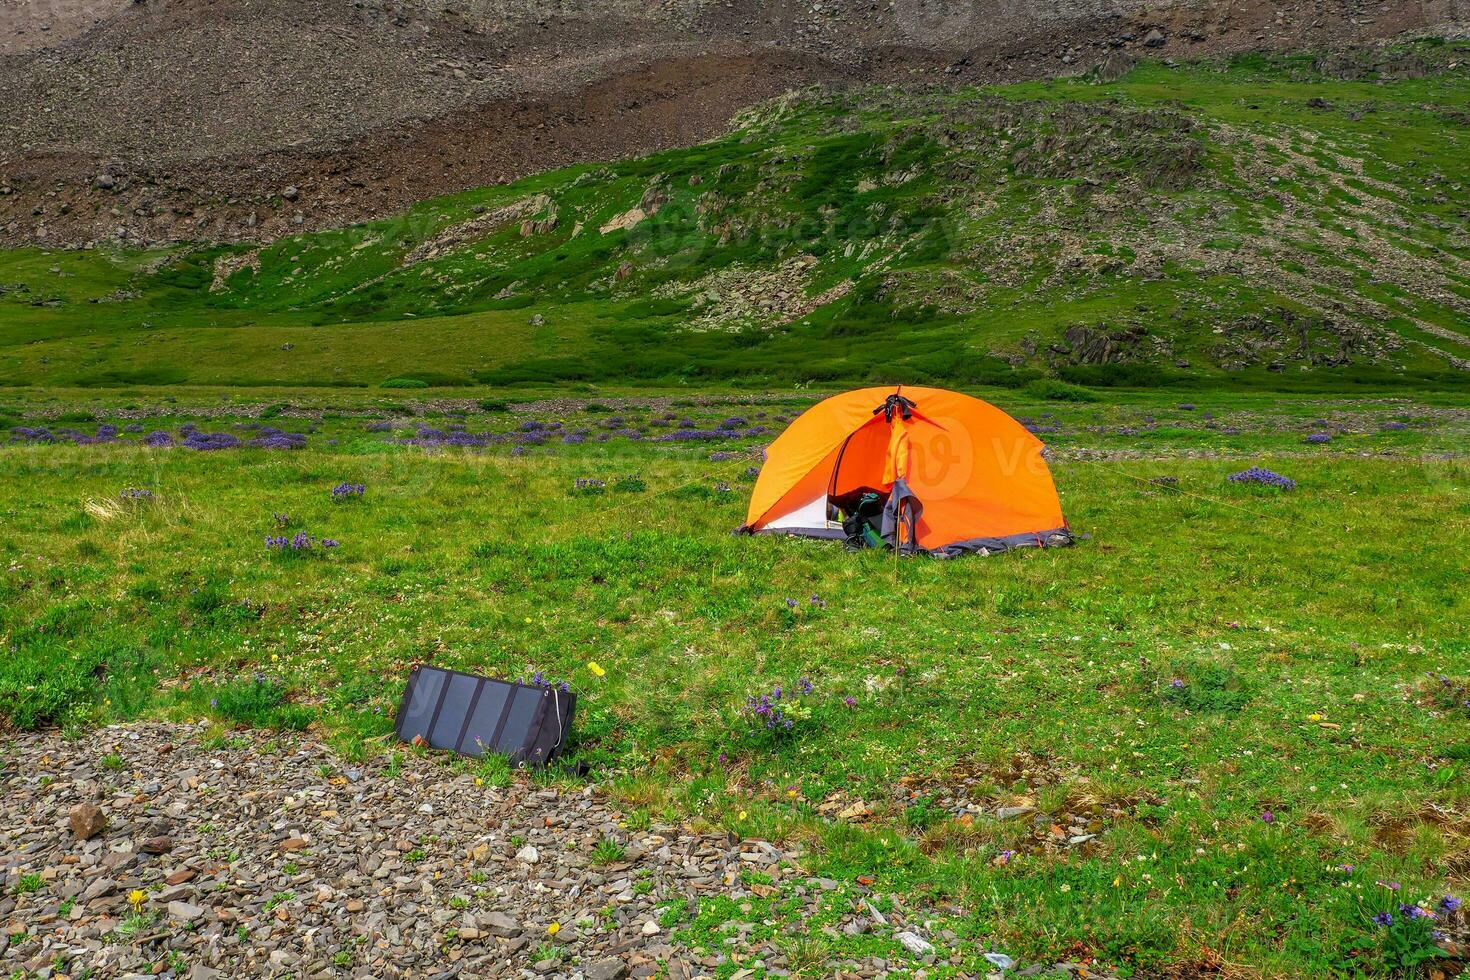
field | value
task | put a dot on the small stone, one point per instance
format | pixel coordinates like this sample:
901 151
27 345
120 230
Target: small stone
185 911
611 968
528 855
293 844
1010 812
291 193
914 943
650 928
104 182
1154 39
87 820
157 845
499 924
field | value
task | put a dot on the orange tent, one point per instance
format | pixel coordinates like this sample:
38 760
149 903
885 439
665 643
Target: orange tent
956 474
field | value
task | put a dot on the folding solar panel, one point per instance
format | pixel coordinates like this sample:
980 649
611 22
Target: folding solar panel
473 715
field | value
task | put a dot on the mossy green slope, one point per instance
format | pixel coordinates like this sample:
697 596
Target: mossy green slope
1263 220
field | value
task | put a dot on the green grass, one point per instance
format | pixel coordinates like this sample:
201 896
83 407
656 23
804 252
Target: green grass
1259 222
1298 626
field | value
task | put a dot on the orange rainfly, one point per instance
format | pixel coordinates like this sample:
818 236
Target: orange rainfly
936 470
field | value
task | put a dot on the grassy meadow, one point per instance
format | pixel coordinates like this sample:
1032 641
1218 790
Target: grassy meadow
1211 727
1259 222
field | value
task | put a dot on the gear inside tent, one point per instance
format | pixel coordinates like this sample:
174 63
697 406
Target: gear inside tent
922 469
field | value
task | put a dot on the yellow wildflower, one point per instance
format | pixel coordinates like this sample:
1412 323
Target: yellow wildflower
553 929
136 898
595 667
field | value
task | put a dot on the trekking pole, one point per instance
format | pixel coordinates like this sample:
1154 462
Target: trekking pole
897 539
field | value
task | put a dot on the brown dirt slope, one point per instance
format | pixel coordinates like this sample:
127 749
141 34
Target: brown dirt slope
158 120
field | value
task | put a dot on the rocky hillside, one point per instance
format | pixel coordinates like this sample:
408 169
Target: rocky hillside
1266 218
168 120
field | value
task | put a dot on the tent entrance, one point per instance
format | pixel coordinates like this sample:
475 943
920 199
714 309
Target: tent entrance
813 516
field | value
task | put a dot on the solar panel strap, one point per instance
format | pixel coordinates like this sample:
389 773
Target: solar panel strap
469 715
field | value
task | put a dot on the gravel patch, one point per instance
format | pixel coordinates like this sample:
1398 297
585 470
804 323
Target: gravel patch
149 850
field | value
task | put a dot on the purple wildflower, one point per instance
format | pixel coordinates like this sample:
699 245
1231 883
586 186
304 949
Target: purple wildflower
1384 919
1318 438
791 603
210 441
850 701
1449 904
158 439
270 437
1176 683
805 684
1268 817
343 491
540 679
25 433
1263 477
